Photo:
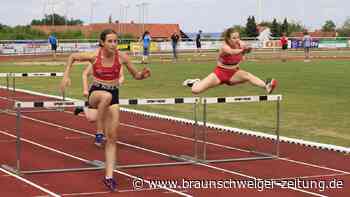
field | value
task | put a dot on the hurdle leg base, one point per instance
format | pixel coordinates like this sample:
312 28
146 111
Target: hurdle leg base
11 169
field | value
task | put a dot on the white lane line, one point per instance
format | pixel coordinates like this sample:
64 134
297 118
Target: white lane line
312 176
86 161
206 165
257 178
30 183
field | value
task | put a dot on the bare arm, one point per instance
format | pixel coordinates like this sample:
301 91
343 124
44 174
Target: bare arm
71 59
121 76
85 76
138 75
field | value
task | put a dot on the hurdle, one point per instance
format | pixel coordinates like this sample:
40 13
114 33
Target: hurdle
180 159
241 99
19 75
8 77
96 164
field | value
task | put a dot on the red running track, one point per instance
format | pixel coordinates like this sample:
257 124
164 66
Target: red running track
73 135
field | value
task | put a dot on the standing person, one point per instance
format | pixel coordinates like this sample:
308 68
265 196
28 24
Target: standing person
228 69
146 43
104 95
199 42
90 113
284 45
174 42
307 41
53 43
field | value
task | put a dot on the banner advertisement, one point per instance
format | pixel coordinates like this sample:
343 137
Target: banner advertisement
298 43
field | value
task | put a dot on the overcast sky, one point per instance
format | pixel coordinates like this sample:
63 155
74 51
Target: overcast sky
191 15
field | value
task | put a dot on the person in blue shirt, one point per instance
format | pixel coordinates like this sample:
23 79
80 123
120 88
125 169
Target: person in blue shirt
53 43
146 43
307 42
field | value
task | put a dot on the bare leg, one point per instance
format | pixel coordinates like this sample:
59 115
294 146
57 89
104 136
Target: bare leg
242 76
210 81
90 114
111 123
101 100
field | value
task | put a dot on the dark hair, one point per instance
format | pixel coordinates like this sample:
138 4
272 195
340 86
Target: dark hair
144 34
227 34
104 34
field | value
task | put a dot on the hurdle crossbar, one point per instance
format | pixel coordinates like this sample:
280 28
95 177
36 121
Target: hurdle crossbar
240 99
98 165
19 75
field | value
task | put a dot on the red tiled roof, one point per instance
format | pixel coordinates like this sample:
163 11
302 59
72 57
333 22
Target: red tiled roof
315 34
157 31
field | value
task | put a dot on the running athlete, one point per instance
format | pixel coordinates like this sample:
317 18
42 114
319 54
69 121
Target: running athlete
104 94
228 70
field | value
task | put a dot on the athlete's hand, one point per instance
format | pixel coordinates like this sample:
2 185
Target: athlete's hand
247 50
145 73
64 83
86 93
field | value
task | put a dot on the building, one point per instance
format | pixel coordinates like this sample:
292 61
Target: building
157 31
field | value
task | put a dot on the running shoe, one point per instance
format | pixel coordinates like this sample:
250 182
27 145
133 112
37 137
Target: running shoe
110 183
78 110
190 82
271 84
99 139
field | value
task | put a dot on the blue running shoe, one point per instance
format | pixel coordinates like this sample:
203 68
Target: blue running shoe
99 139
110 183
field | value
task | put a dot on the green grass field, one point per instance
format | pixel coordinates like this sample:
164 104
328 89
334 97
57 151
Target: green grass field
315 106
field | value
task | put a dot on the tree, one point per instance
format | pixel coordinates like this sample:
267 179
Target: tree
251 29
344 31
328 26
55 19
284 26
275 28
295 27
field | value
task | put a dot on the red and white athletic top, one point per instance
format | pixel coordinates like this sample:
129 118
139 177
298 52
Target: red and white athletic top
230 59
106 73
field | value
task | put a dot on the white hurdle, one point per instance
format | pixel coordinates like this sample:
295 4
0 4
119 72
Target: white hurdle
241 99
19 75
180 160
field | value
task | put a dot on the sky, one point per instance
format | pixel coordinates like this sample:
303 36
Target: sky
191 15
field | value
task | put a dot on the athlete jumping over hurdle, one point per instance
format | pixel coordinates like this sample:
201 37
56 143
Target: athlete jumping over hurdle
91 113
104 95
228 70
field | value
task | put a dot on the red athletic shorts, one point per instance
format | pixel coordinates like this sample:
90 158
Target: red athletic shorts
225 74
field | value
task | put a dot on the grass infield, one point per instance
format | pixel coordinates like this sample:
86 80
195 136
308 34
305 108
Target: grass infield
315 106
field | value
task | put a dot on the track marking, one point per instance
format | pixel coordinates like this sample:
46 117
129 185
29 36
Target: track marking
312 176
101 192
200 164
30 183
76 138
86 161
256 178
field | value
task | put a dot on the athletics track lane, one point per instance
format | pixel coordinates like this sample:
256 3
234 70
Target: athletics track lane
254 166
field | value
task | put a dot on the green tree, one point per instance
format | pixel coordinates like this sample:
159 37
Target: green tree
344 31
284 26
275 28
295 27
329 25
56 19
251 29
